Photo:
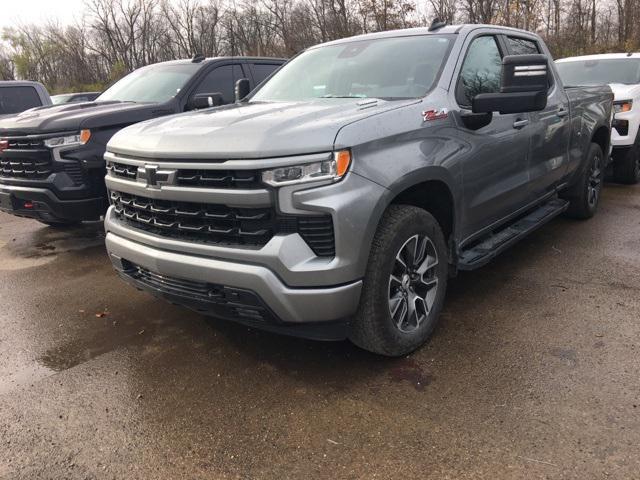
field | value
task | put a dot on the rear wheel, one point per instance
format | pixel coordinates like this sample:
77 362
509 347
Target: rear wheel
405 283
584 201
626 166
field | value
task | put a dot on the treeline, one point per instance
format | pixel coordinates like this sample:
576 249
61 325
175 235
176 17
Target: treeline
117 36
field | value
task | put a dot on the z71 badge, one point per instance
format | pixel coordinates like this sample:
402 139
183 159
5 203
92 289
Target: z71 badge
434 114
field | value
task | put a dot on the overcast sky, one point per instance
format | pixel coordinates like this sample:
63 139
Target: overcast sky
39 11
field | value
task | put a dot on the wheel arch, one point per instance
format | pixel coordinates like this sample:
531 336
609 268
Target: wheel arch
602 137
433 191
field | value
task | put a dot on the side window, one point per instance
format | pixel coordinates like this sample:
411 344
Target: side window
223 80
481 71
522 46
262 71
18 99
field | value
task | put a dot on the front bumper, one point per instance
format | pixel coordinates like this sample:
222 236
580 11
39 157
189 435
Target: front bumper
625 129
318 312
43 204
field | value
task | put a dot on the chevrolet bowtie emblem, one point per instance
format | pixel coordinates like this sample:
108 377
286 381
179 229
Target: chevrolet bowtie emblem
153 177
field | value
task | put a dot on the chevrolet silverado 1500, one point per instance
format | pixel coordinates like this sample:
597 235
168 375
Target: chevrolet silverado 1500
51 159
336 200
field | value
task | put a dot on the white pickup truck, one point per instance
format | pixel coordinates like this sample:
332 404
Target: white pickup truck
621 71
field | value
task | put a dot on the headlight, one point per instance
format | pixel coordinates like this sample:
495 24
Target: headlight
622 106
69 140
333 169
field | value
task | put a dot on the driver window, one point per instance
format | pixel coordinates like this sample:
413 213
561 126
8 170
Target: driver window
481 71
223 80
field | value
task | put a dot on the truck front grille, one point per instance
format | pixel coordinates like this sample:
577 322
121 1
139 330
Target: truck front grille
219 300
220 224
241 179
26 158
32 168
198 222
25 144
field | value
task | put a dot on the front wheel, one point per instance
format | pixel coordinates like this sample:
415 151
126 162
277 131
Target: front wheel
405 283
584 202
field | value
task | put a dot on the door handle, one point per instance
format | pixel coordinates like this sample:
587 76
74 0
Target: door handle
520 123
562 111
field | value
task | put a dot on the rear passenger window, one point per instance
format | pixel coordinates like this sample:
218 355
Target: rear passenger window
262 71
18 99
481 71
522 46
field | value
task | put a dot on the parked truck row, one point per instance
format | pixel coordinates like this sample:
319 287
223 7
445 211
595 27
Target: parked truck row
337 198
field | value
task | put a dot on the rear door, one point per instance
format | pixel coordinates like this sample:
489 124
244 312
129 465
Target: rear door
495 168
550 128
261 70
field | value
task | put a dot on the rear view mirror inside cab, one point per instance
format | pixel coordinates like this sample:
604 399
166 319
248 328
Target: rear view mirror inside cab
524 86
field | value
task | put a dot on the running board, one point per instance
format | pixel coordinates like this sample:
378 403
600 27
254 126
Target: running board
498 241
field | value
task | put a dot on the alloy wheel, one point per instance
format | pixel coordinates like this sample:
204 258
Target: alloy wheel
413 283
594 186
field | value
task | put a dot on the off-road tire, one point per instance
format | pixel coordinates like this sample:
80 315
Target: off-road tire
626 166
373 328
582 203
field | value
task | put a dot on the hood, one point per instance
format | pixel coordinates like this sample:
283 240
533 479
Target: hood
76 116
625 92
251 130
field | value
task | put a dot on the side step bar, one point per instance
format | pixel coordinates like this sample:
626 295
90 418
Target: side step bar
499 240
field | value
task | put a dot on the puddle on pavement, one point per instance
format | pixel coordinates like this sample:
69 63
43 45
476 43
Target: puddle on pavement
409 370
35 245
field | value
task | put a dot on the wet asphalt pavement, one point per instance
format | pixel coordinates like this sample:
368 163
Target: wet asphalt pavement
534 372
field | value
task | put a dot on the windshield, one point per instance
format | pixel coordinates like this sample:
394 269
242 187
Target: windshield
58 99
389 68
152 84
600 72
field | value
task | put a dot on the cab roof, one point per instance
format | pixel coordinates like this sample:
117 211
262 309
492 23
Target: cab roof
446 30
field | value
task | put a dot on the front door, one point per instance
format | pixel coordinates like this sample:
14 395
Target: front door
495 170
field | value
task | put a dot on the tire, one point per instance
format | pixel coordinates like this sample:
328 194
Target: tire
626 166
583 203
374 328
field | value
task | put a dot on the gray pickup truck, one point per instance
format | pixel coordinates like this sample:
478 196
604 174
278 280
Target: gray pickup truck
336 200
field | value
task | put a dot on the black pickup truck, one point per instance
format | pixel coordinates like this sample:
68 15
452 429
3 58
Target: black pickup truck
51 158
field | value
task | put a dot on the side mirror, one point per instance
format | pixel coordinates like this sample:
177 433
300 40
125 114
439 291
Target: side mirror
243 87
524 86
205 100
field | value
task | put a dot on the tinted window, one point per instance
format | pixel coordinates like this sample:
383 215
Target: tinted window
18 99
155 83
388 68
600 72
521 46
221 80
481 71
262 71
